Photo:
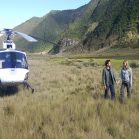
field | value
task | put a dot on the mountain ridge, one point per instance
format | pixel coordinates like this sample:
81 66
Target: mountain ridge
98 24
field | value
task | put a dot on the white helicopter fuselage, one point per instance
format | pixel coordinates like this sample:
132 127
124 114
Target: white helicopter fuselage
12 76
13 67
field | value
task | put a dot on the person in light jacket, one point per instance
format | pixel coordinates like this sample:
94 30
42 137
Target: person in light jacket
108 79
126 78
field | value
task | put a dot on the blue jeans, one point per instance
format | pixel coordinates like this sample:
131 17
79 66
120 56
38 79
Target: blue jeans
128 87
112 90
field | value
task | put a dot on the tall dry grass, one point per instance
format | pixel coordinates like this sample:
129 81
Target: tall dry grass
68 103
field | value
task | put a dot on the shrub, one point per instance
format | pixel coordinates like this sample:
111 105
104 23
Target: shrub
134 65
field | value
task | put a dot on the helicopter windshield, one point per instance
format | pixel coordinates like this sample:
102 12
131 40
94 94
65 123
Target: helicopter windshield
13 60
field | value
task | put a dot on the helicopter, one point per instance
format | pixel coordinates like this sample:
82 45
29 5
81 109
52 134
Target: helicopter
14 68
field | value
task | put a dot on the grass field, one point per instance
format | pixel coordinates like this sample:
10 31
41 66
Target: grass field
68 103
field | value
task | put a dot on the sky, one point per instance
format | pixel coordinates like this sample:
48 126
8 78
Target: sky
15 12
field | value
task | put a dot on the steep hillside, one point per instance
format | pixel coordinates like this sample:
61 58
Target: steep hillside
76 28
29 25
117 25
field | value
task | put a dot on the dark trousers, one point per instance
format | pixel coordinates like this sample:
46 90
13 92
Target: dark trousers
128 87
112 90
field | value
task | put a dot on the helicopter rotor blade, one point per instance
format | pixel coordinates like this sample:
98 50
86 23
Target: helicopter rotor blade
6 31
44 40
25 36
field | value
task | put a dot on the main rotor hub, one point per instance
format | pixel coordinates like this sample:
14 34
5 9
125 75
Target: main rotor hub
8 33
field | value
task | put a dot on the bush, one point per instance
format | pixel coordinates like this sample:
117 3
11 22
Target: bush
134 65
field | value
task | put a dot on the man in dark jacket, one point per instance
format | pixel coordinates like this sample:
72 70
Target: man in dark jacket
108 80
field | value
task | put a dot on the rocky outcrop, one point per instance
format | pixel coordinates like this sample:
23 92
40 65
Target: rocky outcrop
63 45
66 42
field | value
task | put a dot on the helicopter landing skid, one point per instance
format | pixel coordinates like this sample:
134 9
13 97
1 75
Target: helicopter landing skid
26 84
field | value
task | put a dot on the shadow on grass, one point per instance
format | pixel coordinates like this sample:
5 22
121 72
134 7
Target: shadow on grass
8 91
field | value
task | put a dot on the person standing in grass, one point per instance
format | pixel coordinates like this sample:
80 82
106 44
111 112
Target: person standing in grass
126 78
108 80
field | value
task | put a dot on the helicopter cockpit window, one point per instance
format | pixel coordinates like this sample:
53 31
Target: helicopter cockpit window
13 60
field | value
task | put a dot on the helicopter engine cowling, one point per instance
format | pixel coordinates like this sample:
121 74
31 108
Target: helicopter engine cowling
8 45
